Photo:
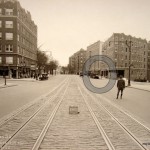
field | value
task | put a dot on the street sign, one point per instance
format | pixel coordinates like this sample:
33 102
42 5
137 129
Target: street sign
33 67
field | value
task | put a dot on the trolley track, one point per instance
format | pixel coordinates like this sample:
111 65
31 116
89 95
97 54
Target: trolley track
28 105
99 125
135 130
64 134
14 125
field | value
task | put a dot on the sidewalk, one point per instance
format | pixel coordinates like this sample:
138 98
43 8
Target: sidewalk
7 85
140 85
23 79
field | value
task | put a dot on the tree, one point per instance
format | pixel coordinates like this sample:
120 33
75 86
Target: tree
64 69
52 66
42 60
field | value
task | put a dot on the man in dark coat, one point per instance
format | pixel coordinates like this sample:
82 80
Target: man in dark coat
120 86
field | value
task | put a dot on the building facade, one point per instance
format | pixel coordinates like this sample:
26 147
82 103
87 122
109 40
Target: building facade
92 50
77 61
18 40
148 62
71 64
126 50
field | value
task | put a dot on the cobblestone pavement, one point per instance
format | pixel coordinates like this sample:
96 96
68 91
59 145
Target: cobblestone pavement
96 125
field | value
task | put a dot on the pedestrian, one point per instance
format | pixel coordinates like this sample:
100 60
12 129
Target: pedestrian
120 86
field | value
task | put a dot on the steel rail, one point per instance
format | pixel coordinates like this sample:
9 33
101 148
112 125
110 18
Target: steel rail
30 118
148 129
5 119
119 123
46 127
103 133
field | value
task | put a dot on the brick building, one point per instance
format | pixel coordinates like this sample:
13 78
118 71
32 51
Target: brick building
148 62
18 40
72 64
94 49
117 47
77 61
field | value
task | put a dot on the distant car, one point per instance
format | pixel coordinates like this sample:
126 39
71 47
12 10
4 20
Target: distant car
81 74
43 76
94 76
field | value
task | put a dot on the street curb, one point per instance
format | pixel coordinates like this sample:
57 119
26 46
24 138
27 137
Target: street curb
22 80
139 89
6 86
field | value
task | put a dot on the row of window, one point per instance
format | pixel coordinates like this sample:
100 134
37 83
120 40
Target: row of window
9 60
22 51
8 48
8 24
8 12
135 65
135 58
8 36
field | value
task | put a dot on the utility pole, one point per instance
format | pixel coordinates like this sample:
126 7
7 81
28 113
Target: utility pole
129 44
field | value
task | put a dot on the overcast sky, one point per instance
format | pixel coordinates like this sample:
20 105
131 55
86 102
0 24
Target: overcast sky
66 26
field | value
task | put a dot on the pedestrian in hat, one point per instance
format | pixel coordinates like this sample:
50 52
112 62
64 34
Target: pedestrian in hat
120 86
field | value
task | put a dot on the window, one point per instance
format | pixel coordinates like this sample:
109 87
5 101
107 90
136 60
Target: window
18 61
0 60
0 35
9 24
9 12
18 26
18 13
9 48
18 37
0 48
9 36
18 49
9 60
0 23
0 11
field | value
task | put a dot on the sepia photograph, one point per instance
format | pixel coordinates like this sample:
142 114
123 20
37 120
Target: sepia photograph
74 75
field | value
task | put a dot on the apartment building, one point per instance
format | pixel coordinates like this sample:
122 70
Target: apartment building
148 62
77 61
71 64
127 50
92 50
18 40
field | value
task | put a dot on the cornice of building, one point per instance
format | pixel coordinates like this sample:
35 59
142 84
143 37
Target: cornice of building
95 43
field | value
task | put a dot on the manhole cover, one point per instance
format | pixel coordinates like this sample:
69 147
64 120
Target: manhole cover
73 110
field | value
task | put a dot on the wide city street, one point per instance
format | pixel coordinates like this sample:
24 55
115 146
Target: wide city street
60 113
